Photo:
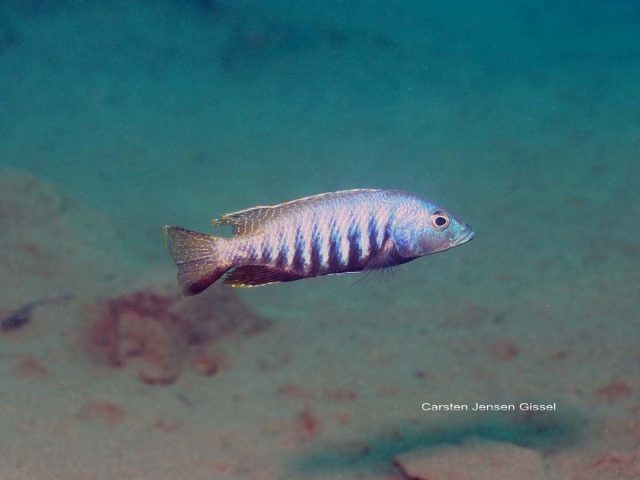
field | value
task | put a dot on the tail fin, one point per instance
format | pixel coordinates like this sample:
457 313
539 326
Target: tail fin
197 257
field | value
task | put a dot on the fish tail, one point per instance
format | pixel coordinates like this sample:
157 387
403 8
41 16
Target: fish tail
198 257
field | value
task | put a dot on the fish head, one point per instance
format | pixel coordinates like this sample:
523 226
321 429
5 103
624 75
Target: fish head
427 228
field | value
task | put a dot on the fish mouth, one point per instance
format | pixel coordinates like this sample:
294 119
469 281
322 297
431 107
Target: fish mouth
466 235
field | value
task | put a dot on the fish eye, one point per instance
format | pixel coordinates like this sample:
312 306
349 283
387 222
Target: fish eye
440 220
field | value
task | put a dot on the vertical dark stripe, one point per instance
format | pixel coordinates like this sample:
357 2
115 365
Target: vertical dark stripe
252 253
266 251
315 260
281 259
333 262
385 237
354 245
373 237
298 256
247 252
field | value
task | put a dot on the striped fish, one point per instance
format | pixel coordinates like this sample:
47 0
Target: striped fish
329 233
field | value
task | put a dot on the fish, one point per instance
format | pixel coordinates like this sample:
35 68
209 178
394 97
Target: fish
330 233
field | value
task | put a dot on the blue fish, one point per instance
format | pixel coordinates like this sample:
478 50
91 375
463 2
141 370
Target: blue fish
325 234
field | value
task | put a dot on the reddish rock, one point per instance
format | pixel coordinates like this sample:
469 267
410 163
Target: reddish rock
166 425
143 327
106 413
30 367
503 351
342 418
158 333
210 364
307 424
614 391
340 394
295 392
158 378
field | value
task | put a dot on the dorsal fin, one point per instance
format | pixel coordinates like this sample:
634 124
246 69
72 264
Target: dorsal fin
246 222
249 221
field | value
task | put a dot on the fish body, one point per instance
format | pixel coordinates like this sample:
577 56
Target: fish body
330 233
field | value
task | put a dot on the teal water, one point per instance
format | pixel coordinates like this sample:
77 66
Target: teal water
522 117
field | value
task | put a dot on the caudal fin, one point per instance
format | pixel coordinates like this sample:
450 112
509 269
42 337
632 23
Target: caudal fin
197 257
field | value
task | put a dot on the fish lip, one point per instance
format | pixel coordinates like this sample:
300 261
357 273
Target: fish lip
466 235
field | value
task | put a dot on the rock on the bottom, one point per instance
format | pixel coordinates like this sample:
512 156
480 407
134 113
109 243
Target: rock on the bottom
473 461
589 465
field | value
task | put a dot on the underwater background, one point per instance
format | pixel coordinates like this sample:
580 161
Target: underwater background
119 117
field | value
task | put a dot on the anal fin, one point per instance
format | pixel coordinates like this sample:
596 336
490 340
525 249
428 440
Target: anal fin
258 275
